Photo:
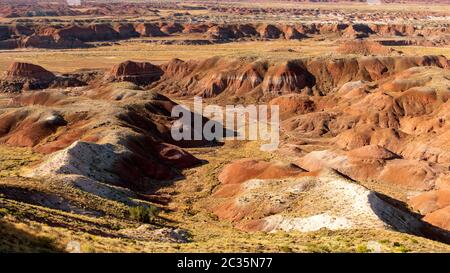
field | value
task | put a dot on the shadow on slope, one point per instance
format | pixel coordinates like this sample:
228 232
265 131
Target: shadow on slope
402 219
13 240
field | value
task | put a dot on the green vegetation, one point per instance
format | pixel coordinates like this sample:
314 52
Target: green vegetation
13 160
37 228
144 214
398 247
3 212
362 249
15 239
285 249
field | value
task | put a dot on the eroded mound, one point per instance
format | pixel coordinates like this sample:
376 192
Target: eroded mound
363 47
306 202
392 132
28 71
26 76
117 164
138 73
242 170
131 137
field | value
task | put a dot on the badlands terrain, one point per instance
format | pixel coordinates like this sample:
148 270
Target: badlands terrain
88 162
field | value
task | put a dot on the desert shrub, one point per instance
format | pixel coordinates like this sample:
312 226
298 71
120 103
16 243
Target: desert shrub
318 248
88 249
126 86
400 247
285 249
403 249
144 214
45 241
3 212
362 249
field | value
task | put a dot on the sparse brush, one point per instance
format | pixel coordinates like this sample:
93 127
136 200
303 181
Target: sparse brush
126 86
3 212
144 214
362 249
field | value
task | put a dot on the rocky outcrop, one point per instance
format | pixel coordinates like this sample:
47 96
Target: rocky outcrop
68 36
75 32
171 28
389 130
287 78
46 41
224 33
30 8
291 33
125 30
138 73
104 32
5 33
293 104
362 47
149 30
244 169
28 71
195 28
113 164
132 140
269 31
216 76
276 199
25 76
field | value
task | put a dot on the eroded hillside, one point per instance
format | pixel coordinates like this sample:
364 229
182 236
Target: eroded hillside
88 161
106 136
